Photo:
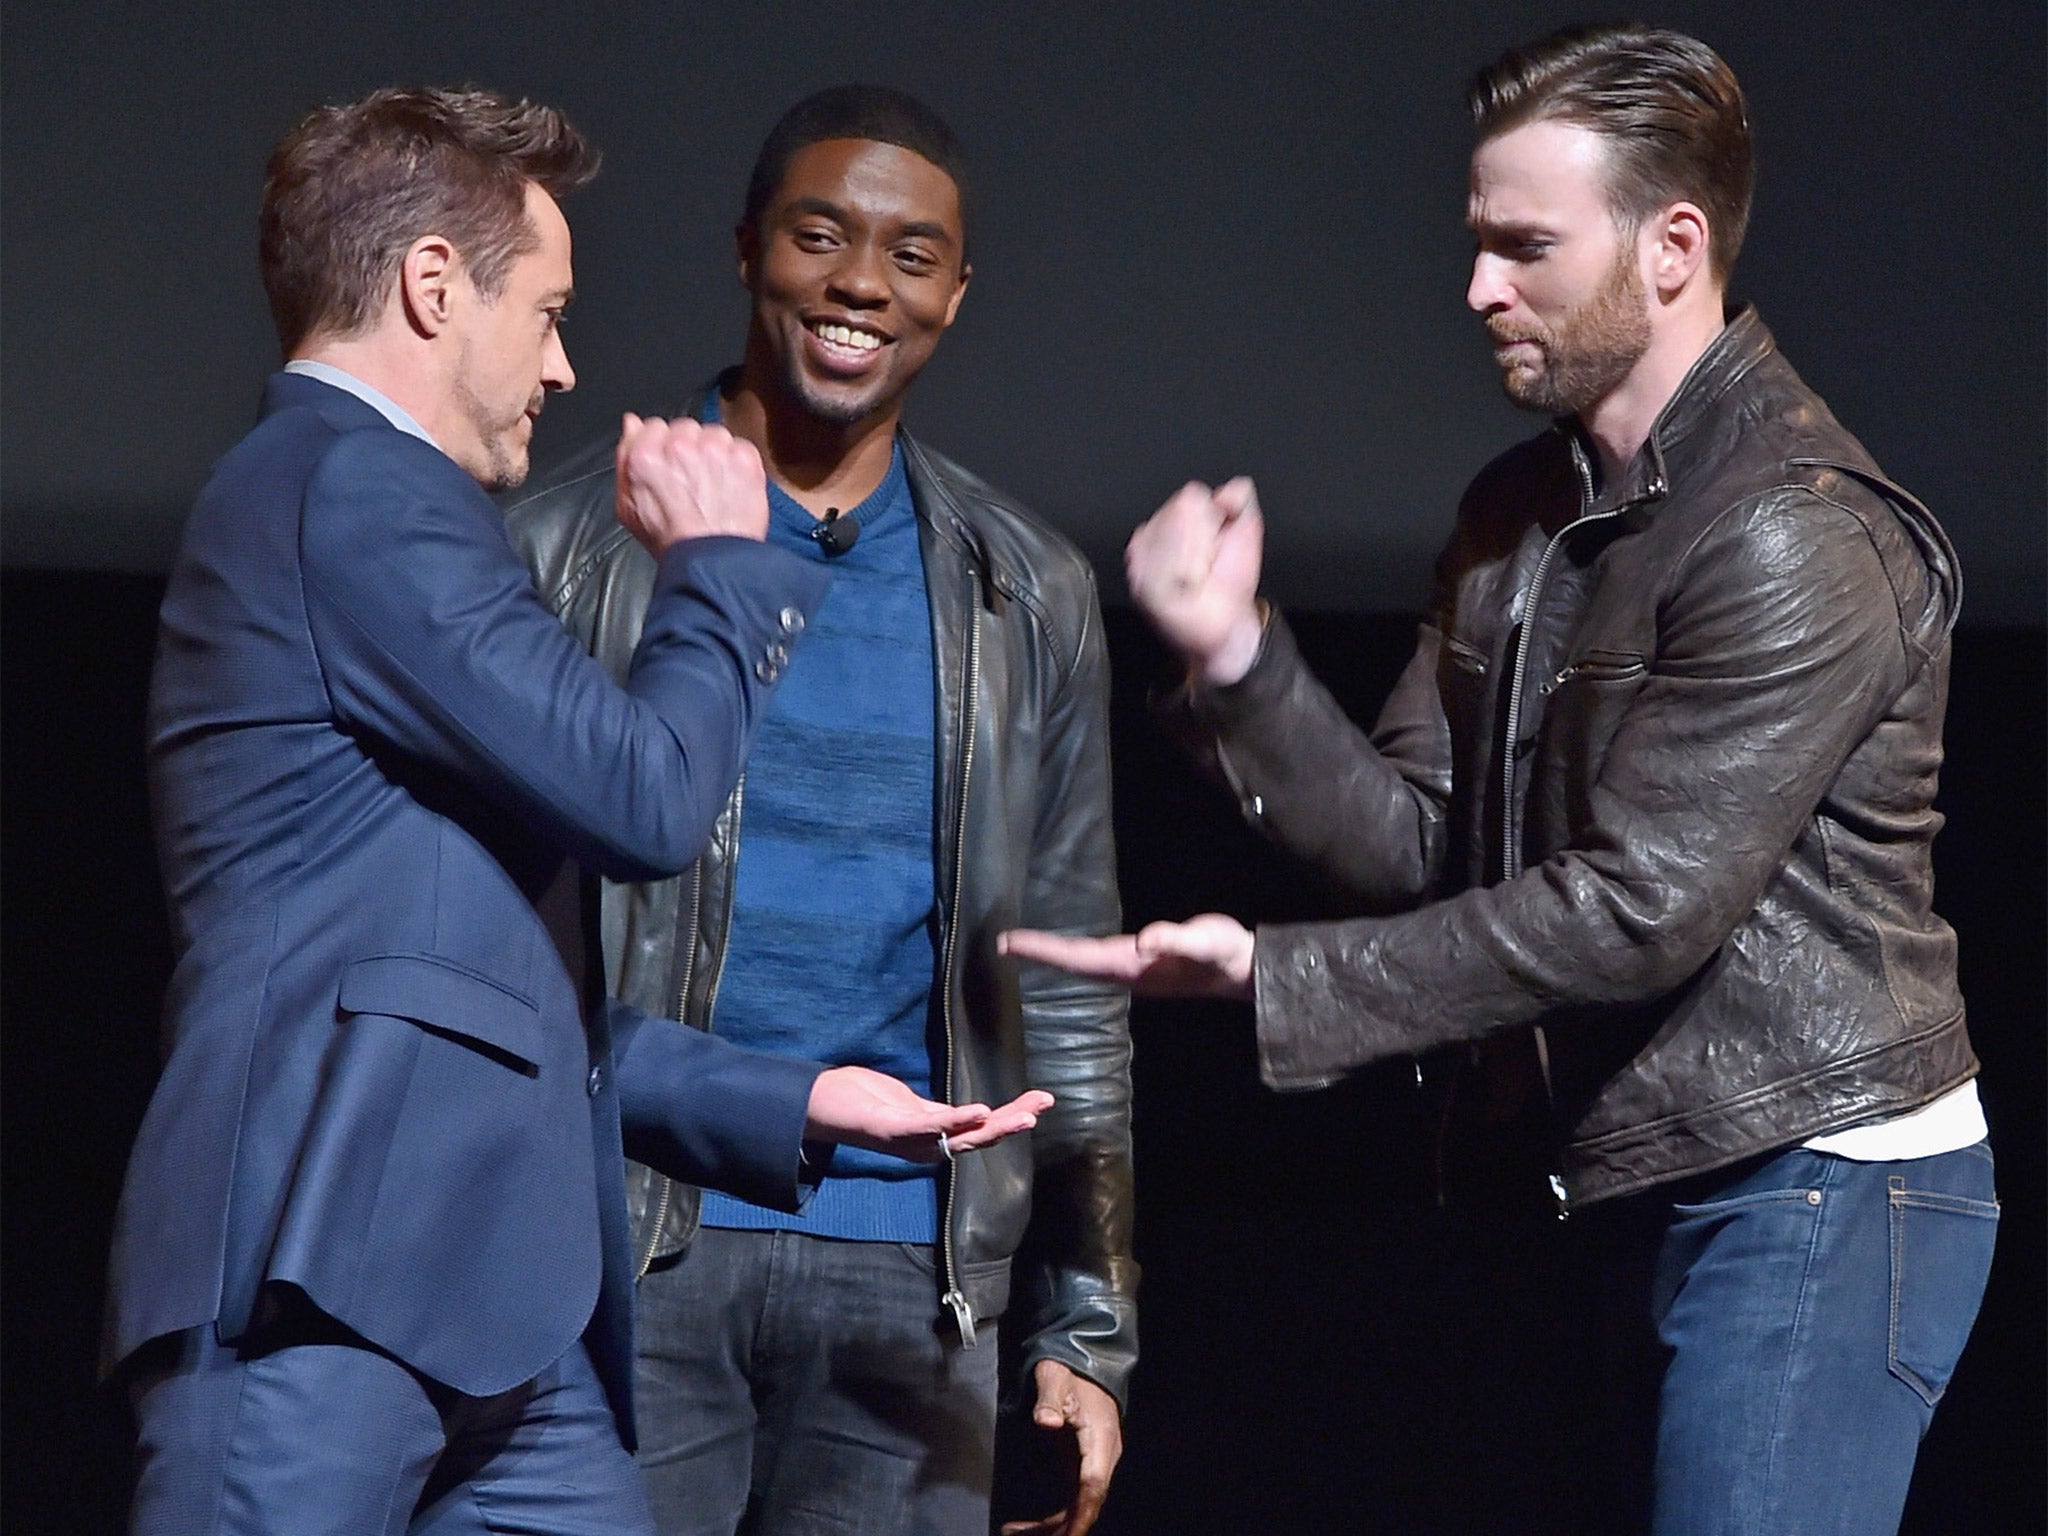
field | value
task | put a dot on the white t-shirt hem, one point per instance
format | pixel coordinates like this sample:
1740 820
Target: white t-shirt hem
1950 1123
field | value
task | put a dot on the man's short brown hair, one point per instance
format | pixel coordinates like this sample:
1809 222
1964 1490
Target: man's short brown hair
1670 111
349 190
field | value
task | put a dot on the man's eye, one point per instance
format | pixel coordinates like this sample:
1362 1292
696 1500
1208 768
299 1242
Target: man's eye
1529 249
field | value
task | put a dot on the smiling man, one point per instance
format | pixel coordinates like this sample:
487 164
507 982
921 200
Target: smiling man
934 769
1649 816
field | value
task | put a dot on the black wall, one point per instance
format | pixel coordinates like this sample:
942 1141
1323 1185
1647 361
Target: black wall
1324 1349
1208 239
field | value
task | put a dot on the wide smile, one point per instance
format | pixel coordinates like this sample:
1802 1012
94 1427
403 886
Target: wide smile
842 347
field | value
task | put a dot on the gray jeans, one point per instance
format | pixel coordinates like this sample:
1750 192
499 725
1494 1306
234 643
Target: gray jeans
789 1385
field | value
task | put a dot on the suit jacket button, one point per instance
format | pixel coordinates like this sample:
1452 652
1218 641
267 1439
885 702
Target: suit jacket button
778 655
764 669
596 1079
792 621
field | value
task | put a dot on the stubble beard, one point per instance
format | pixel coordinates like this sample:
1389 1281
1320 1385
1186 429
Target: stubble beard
1587 353
505 466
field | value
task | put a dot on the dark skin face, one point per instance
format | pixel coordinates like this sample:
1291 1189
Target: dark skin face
855 270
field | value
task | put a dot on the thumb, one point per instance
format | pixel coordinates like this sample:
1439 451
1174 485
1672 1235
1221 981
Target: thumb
1238 497
1160 939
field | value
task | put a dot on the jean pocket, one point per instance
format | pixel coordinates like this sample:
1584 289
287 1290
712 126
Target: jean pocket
1941 1256
1754 1200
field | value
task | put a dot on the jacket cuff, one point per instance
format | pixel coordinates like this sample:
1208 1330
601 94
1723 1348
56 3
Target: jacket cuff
1199 717
1228 705
718 559
1306 1038
701 1110
1096 1338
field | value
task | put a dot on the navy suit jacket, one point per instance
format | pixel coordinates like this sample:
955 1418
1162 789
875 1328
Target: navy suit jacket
370 748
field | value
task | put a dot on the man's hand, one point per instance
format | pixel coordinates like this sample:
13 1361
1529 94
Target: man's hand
684 480
1206 956
863 1108
1193 566
1066 1400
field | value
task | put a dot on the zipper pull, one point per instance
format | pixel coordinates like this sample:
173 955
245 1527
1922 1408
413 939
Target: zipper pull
963 1316
1557 1194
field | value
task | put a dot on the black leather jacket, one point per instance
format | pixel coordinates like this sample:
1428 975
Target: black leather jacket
1022 829
1701 870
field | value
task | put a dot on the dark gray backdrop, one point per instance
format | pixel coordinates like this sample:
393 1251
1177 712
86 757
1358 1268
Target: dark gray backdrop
1205 242
1208 240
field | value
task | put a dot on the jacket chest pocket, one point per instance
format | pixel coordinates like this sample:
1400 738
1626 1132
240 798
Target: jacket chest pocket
1584 704
1464 676
1596 666
1465 685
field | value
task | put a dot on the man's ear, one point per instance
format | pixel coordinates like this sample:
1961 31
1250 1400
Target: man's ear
959 293
1681 238
746 250
427 276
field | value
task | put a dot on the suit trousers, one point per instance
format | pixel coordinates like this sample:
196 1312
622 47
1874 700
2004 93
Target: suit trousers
312 1431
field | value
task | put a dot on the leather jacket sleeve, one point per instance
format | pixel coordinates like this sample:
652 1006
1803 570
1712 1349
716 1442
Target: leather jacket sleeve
1369 812
1076 1278
1783 638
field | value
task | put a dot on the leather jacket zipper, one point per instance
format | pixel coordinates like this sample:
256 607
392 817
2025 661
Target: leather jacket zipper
686 934
1511 825
955 1298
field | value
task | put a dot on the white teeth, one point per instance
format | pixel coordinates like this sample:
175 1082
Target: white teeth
846 336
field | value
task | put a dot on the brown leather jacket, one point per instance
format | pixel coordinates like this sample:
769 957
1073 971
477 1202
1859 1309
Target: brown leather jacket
1702 870
1022 826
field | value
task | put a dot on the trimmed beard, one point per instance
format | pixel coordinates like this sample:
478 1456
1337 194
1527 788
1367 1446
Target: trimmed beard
1586 354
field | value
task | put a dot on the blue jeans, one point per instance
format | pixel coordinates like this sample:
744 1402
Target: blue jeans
1810 1309
789 1385
323 1435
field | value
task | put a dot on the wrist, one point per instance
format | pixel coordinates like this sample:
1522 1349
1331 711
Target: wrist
1240 647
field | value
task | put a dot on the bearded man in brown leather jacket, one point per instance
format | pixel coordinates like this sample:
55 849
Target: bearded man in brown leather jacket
1652 803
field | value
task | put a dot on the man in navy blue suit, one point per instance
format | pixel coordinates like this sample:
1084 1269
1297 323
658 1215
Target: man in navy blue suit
369 1270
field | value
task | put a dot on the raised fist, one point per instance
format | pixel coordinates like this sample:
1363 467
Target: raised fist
1193 566
684 480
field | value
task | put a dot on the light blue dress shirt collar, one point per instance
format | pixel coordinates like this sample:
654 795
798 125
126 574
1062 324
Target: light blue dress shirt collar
382 403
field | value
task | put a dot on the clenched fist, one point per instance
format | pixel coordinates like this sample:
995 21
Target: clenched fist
1193 566
684 480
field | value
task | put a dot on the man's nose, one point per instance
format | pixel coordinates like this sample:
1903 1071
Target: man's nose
555 372
1489 289
860 278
